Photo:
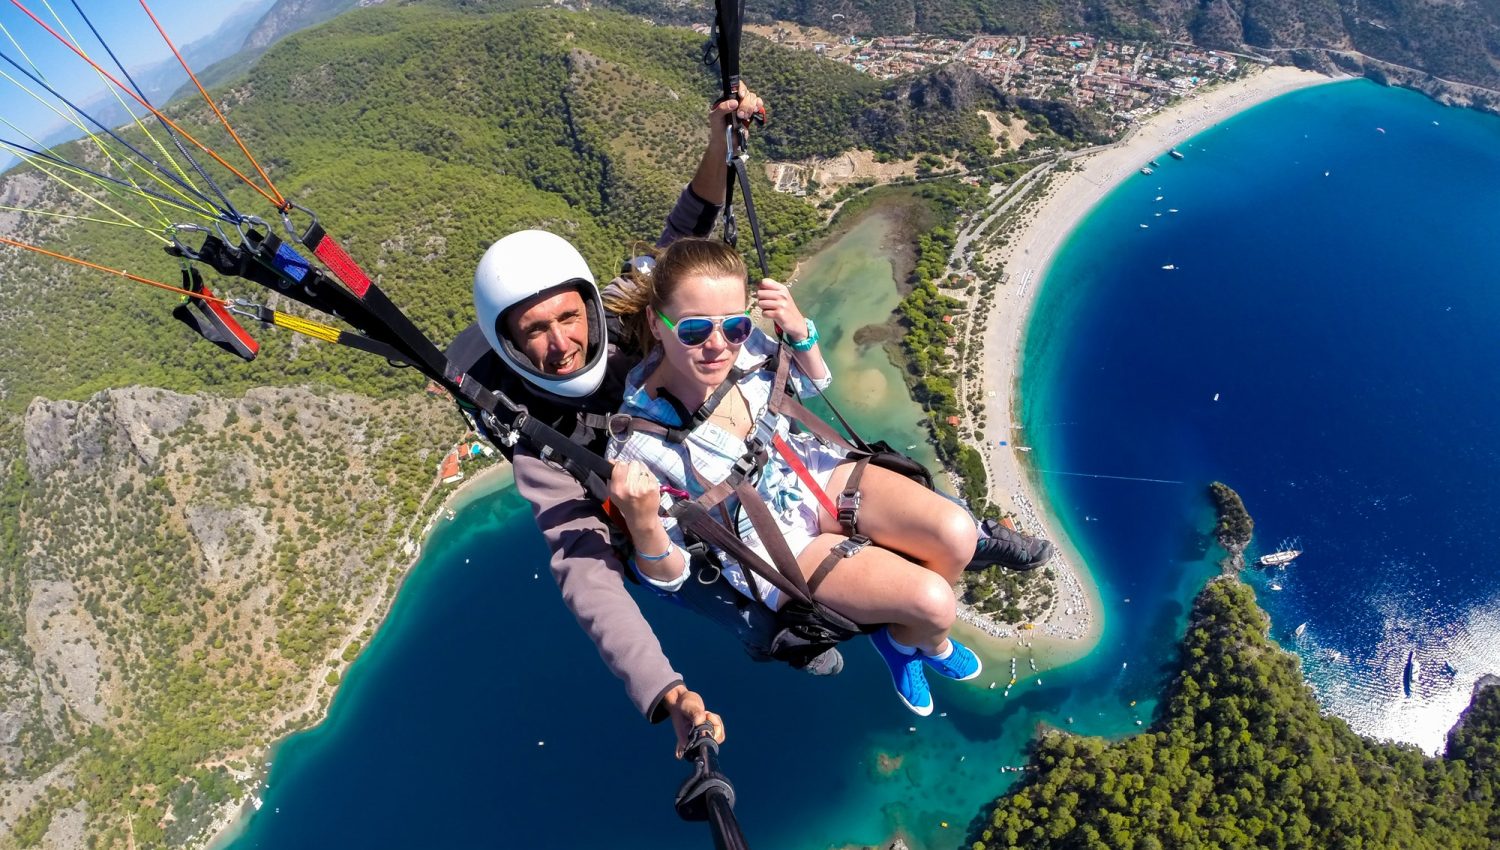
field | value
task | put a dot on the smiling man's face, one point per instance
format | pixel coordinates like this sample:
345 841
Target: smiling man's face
553 332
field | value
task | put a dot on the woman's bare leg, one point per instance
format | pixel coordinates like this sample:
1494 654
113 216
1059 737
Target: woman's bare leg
875 585
902 515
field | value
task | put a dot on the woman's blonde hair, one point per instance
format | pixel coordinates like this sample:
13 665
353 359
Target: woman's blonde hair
681 260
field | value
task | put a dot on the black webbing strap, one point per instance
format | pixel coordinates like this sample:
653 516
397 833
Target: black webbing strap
772 537
729 19
211 320
846 549
621 425
695 520
738 171
262 261
591 470
848 513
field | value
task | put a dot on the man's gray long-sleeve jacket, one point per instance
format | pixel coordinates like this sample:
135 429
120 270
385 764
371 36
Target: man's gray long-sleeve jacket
585 566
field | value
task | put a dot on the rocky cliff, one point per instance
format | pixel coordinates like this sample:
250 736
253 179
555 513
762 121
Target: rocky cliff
187 567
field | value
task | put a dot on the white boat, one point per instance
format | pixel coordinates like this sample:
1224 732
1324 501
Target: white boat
1169 267
1300 630
1144 226
1275 586
1279 559
1147 171
1216 396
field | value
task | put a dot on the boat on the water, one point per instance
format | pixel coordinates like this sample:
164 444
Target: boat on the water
1154 164
1175 153
1279 559
1413 669
1300 630
1275 586
1146 170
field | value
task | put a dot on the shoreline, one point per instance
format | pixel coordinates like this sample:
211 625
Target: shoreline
1075 622
235 815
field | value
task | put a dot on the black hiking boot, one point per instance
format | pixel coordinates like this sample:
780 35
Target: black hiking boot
1010 549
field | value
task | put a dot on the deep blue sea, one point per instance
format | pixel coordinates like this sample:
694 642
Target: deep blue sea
1334 286
1335 289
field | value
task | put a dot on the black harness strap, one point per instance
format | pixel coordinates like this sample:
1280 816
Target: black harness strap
590 470
846 549
728 28
772 538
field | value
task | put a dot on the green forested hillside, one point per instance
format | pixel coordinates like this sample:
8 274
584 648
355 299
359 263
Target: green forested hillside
1241 757
420 134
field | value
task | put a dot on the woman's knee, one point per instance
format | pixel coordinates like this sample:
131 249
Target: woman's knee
956 535
933 603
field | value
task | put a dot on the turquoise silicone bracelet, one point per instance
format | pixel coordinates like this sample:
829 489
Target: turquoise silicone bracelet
809 342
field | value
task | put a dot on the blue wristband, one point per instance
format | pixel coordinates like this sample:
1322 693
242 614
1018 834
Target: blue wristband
642 556
805 344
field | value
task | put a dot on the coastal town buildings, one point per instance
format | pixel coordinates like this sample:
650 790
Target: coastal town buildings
1122 80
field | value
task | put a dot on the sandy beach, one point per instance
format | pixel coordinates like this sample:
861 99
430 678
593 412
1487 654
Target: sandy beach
1075 621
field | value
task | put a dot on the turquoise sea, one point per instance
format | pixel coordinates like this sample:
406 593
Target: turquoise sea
1355 410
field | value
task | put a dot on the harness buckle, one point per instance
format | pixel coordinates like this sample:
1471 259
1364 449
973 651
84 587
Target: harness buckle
508 435
848 505
851 547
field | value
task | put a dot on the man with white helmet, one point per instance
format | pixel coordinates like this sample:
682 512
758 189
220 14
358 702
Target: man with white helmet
541 338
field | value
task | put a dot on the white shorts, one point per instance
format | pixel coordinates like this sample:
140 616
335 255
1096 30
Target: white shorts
795 507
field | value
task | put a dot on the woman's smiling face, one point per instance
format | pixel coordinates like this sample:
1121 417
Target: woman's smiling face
715 296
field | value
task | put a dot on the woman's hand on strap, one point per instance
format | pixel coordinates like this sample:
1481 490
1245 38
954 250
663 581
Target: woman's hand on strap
776 303
635 490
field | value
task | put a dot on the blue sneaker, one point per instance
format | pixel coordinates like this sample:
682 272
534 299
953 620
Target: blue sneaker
906 674
960 665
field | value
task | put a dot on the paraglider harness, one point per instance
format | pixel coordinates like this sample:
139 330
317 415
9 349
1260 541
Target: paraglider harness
806 627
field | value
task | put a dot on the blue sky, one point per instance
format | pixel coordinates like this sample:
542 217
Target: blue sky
123 23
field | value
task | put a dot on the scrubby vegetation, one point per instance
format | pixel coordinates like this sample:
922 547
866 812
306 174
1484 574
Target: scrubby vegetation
1235 527
1242 757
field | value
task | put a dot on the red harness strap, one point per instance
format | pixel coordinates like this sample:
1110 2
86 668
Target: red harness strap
798 467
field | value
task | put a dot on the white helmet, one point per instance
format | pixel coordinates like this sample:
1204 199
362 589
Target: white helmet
517 269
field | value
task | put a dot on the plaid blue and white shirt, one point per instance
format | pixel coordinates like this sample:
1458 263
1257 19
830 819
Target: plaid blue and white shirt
712 451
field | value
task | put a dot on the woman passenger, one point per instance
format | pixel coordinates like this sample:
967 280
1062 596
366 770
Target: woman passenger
693 313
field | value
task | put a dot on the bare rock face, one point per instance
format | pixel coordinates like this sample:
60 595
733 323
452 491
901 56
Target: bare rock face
193 562
66 831
66 650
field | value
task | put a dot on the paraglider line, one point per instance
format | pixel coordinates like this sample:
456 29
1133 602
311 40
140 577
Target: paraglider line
1111 477
117 272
